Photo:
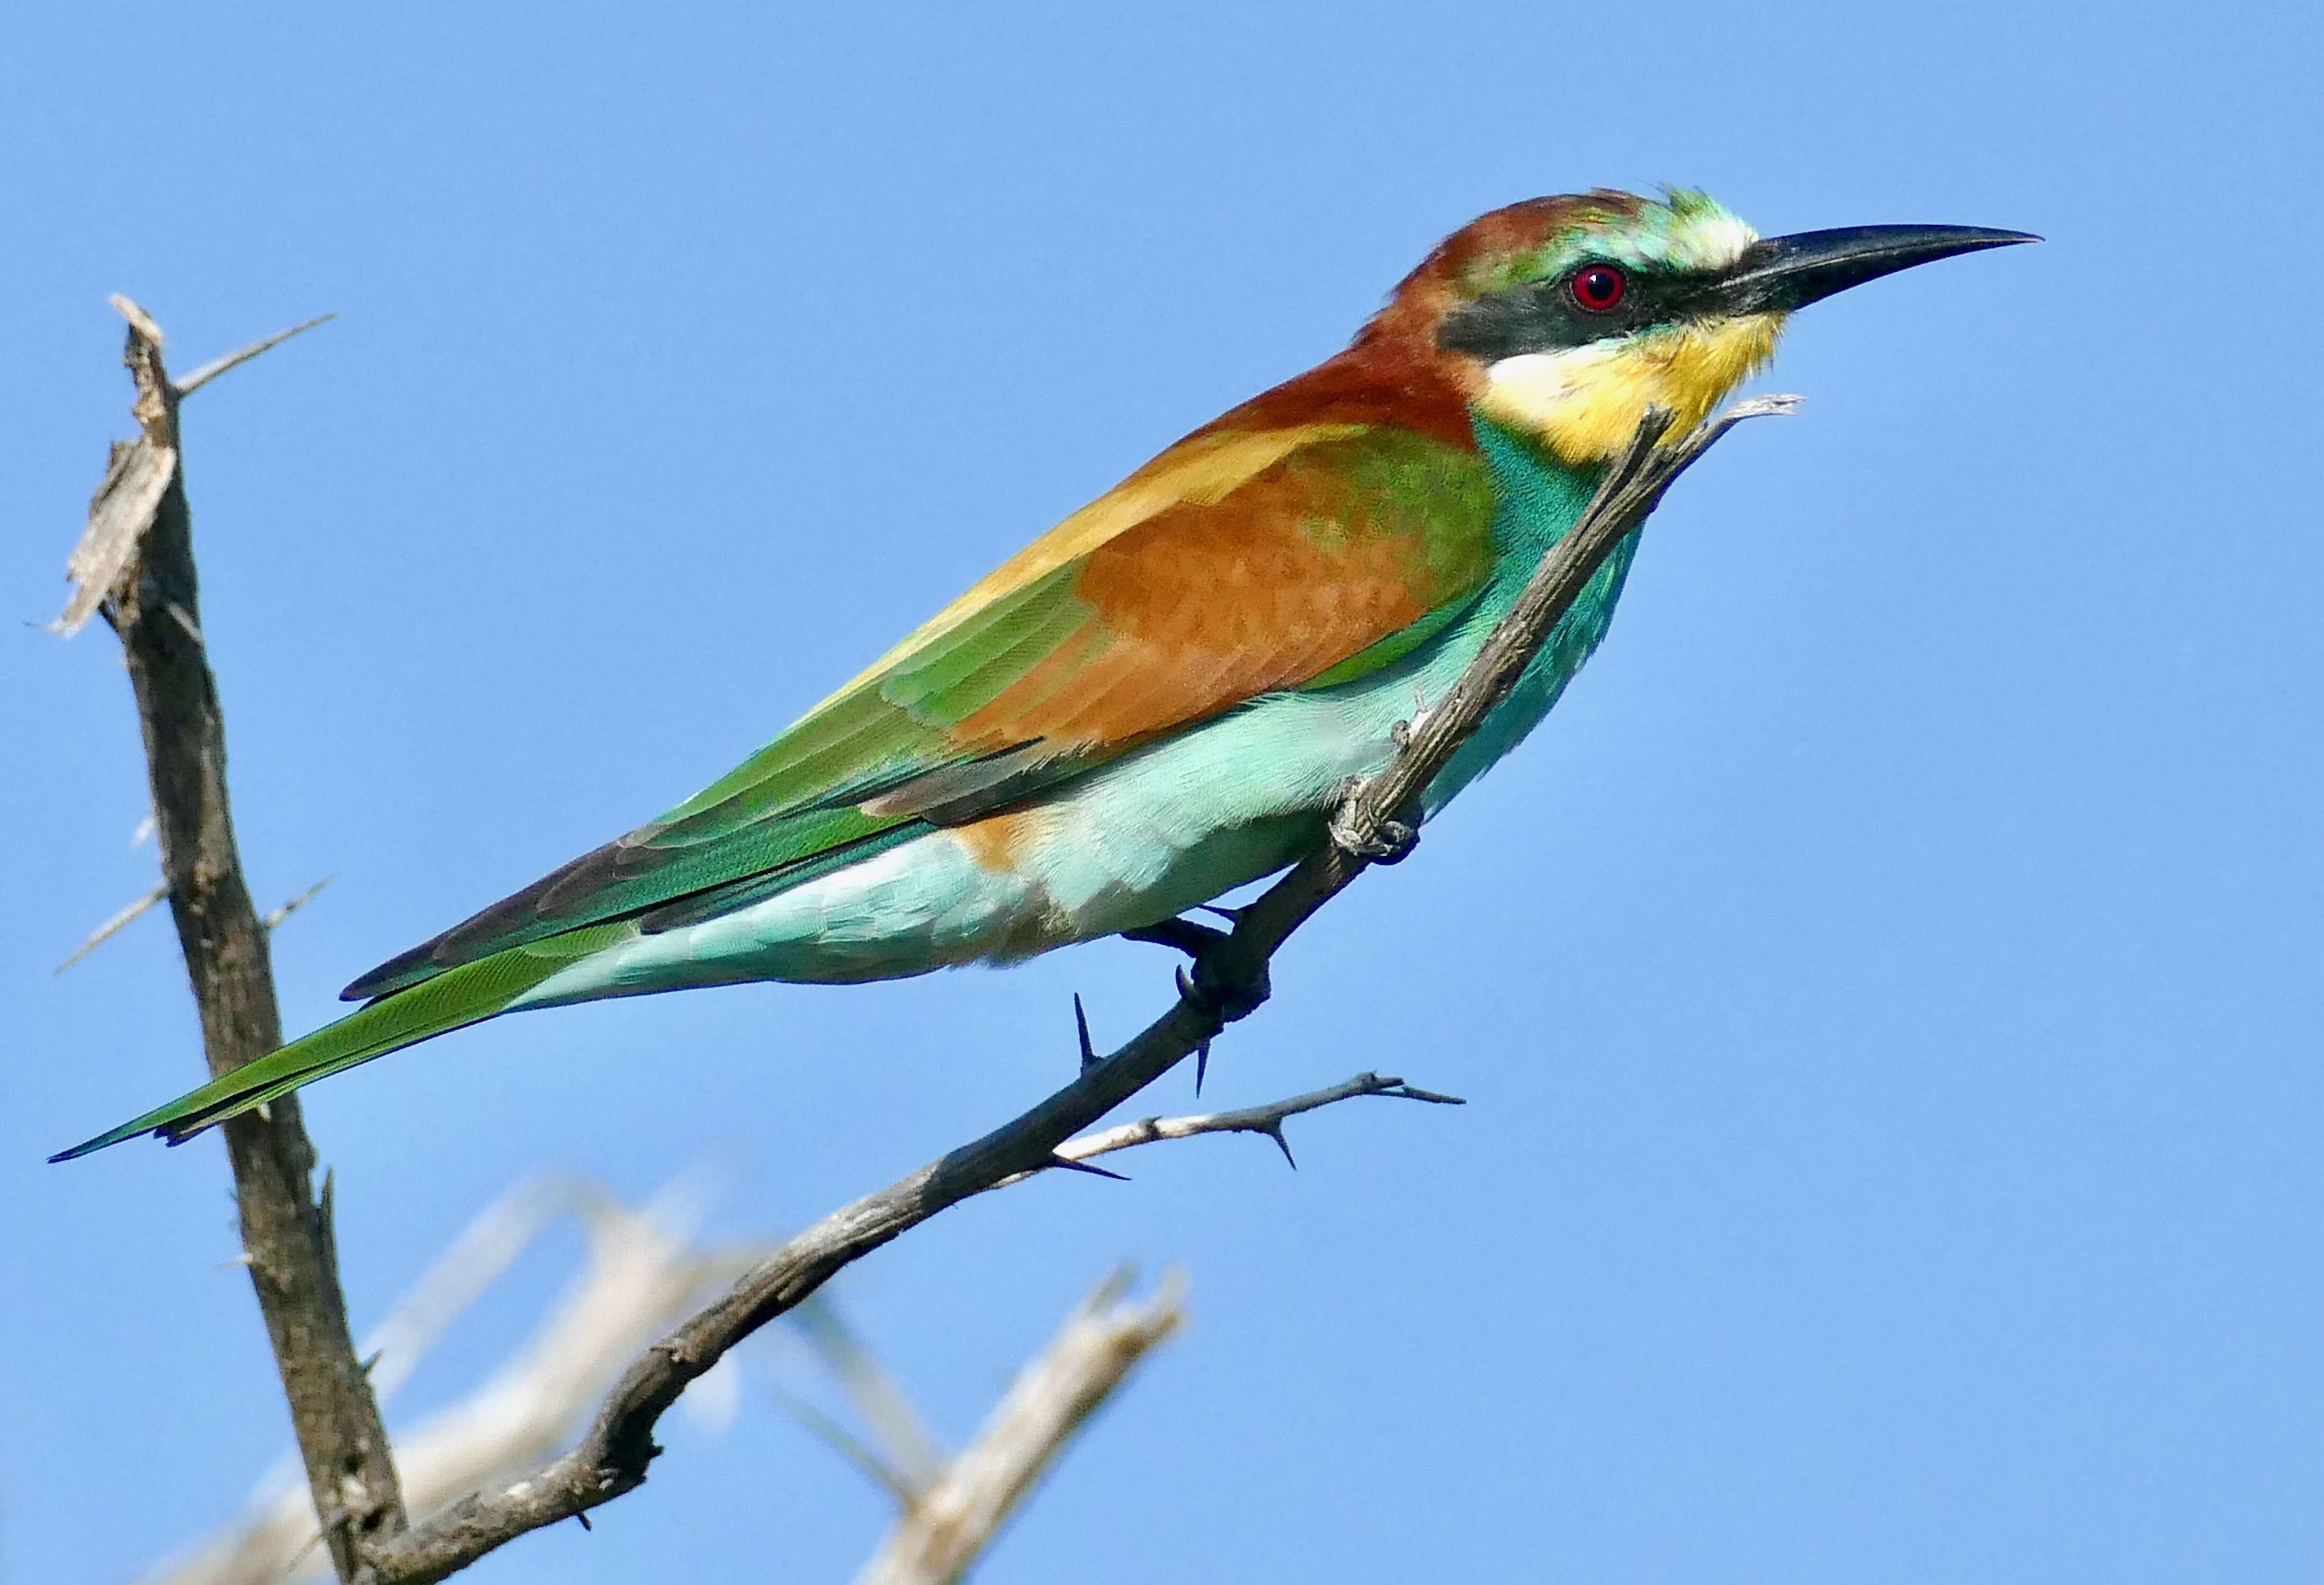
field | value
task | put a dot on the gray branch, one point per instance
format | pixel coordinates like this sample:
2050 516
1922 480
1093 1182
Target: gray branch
1266 1120
136 563
1229 982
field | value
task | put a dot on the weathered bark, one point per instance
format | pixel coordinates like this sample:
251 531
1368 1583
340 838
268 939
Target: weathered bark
152 597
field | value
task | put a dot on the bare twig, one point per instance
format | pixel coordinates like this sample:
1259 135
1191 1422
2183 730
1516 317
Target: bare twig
1266 1120
275 916
114 926
144 905
947 1526
135 562
241 356
1228 982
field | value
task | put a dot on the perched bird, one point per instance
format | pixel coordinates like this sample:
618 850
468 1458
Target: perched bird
1157 701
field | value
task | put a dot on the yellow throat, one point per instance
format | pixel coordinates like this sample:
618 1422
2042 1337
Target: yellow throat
1585 402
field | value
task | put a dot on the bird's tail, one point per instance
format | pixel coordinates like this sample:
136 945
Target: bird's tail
468 994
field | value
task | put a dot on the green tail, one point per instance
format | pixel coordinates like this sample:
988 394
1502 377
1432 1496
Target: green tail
466 995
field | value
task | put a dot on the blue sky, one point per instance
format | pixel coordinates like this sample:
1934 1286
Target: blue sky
1887 990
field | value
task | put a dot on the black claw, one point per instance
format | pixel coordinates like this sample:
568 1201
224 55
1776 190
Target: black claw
1090 1057
1396 841
1092 1170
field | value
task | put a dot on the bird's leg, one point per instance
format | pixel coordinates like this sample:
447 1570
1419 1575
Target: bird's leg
1182 934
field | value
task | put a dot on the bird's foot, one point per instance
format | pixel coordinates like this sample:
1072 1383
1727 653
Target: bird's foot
1211 986
1390 841
1224 995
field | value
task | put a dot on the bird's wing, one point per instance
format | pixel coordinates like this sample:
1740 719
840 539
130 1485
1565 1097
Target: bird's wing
1239 562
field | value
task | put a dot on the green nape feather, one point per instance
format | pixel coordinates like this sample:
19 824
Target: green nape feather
466 995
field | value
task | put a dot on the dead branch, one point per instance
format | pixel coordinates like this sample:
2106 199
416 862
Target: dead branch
947 1524
136 563
1267 1119
1228 982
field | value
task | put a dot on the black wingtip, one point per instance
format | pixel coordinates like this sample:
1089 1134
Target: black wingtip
105 1141
405 968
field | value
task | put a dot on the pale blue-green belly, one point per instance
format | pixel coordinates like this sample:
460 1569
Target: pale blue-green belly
1142 839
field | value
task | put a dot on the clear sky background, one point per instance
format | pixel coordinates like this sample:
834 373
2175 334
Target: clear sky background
1887 990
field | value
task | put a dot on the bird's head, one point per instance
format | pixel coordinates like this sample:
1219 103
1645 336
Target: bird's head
1565 318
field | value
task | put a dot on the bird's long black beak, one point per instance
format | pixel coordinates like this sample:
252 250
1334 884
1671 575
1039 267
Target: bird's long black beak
1780 273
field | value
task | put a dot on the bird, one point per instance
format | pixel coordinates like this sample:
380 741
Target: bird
1159 699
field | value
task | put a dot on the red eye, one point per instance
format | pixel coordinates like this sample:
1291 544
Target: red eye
1597 287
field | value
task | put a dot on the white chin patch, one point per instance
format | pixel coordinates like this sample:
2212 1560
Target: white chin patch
1532 386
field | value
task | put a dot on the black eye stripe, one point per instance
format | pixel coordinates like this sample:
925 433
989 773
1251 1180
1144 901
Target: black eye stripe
1547 316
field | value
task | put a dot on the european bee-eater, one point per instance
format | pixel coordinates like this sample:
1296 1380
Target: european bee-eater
1157 701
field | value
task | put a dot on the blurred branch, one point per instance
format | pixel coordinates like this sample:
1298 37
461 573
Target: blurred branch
136 563
114 925
275 916
906 1457
642 1273
1229 982
954 1517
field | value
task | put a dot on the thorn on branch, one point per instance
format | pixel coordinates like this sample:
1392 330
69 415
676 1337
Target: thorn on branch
1090 1057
